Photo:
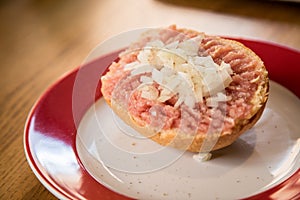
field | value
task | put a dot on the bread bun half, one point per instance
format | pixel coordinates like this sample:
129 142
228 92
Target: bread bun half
188 90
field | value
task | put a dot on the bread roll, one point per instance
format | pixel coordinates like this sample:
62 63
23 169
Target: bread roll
186 89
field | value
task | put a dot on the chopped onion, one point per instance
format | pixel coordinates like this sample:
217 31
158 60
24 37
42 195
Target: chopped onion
132 65
201 157
213 101
178 69
189 47
186 78
155 43
149 92
165 95
146 79
189 101
173 83
142 69
172 45
179 102
157 76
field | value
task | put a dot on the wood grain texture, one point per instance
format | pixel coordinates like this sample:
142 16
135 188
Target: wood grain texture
42 39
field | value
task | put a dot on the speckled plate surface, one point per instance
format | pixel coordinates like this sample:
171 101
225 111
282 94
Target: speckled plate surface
61 133
258 160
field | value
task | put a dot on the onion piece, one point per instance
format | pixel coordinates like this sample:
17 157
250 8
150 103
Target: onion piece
146 79
157 76
143 68
149 92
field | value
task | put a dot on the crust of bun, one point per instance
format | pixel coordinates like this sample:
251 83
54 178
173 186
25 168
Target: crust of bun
193 143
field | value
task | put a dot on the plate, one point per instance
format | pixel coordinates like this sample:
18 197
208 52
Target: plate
59 148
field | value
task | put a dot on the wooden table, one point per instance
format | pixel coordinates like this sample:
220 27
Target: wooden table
43 39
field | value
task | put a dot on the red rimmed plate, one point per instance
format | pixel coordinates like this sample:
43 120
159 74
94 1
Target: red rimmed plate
51 128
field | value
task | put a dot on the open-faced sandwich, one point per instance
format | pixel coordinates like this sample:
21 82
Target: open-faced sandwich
186 89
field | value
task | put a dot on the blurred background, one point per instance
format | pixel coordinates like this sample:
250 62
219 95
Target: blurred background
43 39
